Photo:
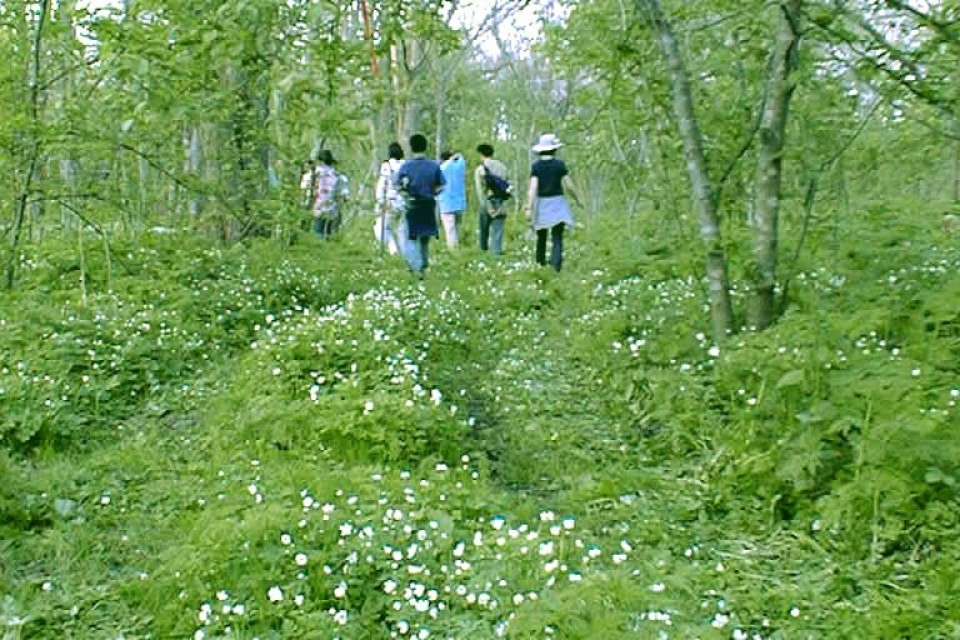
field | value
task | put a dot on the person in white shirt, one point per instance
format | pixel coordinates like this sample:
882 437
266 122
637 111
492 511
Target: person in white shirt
389 208
306 184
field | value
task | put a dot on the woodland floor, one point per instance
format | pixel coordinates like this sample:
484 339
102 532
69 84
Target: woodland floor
305 442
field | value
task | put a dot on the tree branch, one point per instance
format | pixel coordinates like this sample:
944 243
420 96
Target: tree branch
943 28
93 225
810 198
182 183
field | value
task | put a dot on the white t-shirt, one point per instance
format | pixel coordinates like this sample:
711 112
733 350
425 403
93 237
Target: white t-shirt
387 192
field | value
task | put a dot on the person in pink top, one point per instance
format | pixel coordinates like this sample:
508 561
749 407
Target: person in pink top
330 192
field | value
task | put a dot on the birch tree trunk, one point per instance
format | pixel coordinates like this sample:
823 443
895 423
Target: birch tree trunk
143 166
143 184
68 165
767 190
411 107
395 81
194 168
440 108
34 147
721 311
37 207
406 65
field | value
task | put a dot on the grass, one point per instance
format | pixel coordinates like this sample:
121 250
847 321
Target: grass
305 442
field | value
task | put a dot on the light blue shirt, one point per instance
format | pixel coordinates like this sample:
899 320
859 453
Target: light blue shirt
453 198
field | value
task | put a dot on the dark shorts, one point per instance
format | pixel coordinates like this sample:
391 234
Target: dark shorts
422 218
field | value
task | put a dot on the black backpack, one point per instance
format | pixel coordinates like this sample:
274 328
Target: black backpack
499 188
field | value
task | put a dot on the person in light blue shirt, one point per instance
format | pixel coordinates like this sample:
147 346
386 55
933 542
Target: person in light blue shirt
453 198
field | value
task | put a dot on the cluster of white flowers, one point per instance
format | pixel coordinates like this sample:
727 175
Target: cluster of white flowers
433 568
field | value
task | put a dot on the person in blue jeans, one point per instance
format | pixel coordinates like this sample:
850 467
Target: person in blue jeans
420 179
493 212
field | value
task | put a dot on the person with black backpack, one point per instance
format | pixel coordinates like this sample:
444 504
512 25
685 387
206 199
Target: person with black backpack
493 190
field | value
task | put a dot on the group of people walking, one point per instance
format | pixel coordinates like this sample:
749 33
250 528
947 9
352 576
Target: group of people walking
410 192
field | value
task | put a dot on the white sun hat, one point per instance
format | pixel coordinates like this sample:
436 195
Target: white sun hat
547 142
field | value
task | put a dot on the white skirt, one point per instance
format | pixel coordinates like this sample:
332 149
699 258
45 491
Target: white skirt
551 212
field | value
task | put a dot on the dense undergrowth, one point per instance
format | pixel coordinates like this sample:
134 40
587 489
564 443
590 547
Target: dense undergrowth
303 442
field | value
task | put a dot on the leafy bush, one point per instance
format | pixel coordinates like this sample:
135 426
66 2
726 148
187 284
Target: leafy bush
844 422
72 370
354 377
796 481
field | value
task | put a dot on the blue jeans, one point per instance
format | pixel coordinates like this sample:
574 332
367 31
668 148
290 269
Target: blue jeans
418 253
491 227
325 227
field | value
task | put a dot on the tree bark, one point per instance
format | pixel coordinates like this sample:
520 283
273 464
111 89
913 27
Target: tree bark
143 187
395 81
405 65
440 108
143 166
721 310
768 186
411 107
34 147
37 207
194 168
69 166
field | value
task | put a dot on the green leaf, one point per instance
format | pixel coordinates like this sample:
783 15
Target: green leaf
819 412
791 379
935 476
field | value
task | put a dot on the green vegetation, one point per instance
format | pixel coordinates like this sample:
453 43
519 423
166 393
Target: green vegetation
264 443
732 415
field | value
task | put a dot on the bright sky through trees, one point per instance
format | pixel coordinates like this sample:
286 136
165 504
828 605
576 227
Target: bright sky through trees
517 29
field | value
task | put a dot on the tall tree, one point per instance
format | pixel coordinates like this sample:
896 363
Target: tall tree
31 141
721 310
778 89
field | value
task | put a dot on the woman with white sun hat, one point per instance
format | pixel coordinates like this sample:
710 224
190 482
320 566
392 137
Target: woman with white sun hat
547 207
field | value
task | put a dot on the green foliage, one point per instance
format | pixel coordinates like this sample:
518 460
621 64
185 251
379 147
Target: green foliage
840 415
75 368
169 409
357 375
777 486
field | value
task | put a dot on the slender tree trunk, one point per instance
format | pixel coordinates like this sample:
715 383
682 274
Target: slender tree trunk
37 207
411 112
767 192
34 147
405 66
68 174
398 90
278 165
953 126
440 107
721 310
194 168
143 184
143 166
443 69
68 165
